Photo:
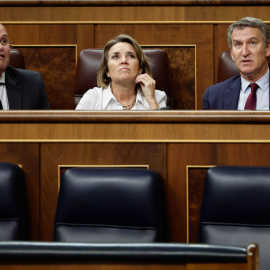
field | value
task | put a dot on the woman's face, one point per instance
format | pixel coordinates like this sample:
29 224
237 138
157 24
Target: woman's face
123 64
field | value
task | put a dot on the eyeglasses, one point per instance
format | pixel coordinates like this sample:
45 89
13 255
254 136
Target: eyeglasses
6 42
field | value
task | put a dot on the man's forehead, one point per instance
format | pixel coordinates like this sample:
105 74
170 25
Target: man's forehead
246 33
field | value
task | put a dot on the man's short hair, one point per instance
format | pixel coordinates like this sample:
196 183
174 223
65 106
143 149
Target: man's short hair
249 22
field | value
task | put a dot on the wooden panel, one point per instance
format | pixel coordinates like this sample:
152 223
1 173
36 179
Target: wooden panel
133 13
195 183
183 72
53 155
100 13
222 42
57 67
23 34
26 155
182 67
201 37
228 13
81 35
85 37
58 34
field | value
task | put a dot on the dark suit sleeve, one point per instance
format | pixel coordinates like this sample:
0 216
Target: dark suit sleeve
44 104
206 104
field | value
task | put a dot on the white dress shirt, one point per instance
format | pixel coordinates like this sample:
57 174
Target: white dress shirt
103 99
262 93
3 92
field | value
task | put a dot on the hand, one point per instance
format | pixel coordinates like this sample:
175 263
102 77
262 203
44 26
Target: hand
148 86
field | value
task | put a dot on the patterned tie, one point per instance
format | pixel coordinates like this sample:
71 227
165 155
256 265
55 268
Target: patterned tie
252 98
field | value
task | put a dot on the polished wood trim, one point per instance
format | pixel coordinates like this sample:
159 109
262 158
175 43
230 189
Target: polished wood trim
75 22
253 256
133 3
188 167
157 116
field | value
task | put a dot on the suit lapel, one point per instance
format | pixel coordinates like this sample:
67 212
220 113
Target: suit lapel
231 95
14 92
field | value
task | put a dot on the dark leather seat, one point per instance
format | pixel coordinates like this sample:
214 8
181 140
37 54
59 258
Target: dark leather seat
235 208
13 203
227 67
89 61
110 205
16 59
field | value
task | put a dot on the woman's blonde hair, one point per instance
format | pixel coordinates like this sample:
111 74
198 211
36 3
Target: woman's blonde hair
102 79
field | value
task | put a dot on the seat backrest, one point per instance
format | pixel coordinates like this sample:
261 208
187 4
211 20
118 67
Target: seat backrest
13 203
227 67
16 59
110 205
89 61
235 208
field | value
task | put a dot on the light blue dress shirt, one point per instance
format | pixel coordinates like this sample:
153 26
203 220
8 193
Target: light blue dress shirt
262 93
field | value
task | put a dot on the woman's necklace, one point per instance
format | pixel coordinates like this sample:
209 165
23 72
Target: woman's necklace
129 106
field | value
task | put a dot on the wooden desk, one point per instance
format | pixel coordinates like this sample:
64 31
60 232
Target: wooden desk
180 145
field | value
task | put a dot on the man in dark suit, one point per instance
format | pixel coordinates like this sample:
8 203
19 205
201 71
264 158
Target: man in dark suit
249 42
19 89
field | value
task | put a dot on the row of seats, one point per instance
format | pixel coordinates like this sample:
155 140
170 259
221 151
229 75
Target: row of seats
89 60
115 205
95 205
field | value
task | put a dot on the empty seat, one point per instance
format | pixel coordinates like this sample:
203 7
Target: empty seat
110 205
235 208
13 203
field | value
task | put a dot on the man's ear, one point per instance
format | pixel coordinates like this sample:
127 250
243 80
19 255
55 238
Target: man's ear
267 50
232 55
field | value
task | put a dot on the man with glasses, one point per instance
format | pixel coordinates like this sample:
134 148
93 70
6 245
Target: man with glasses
19 89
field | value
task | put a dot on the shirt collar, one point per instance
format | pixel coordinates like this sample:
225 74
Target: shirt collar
108 96
263 82
140 98
3 78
